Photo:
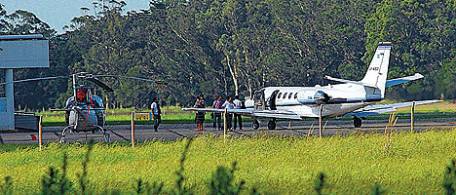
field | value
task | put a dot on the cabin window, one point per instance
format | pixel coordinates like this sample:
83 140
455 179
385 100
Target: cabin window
278 96
285 95
296 96
289 96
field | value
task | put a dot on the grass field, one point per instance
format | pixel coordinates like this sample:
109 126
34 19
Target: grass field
413 164
174 114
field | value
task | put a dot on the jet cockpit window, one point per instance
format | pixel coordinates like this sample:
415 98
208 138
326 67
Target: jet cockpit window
285 95
289 96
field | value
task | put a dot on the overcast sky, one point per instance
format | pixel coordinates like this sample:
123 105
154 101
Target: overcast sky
58 13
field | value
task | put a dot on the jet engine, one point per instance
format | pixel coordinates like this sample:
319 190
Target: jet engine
316 97
321 97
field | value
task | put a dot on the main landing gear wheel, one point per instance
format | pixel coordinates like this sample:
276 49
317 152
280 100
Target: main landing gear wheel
272 124
255 124
357 122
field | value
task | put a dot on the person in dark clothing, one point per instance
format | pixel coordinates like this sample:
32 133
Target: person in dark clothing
238 104
199 118
217 104
156 113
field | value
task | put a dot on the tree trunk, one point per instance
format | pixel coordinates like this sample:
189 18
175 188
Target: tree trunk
234 74
250 88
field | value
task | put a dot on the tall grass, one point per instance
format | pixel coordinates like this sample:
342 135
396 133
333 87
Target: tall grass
352 165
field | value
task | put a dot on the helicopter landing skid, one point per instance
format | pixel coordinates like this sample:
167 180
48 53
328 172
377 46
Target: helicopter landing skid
71 129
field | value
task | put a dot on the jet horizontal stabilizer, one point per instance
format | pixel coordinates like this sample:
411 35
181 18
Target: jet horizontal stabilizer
398 81
348 81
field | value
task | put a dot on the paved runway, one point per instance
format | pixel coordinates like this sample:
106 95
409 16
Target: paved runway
171 132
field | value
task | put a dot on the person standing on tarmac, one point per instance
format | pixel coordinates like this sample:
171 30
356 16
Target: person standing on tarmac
237 117
229 105
156 113
217 104
199 118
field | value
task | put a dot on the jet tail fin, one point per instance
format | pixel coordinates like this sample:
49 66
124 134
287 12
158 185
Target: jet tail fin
378 69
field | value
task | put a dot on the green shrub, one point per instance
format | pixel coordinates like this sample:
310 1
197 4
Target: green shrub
449 178
55 182
377 190
222 182
7 187
320 183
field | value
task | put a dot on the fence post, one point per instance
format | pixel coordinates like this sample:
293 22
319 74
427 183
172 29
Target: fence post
225 124
412 117
40 133
320 121
132 125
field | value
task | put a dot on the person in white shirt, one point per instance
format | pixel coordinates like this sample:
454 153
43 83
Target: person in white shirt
229 105
237 117
156 113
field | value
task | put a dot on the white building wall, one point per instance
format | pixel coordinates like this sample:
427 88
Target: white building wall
18 51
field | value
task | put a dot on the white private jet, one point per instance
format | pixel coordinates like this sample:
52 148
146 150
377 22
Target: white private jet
352 98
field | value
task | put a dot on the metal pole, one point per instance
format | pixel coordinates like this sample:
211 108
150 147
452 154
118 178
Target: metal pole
132 125
74 86
320 120
40 133
412 117
225 123
9 92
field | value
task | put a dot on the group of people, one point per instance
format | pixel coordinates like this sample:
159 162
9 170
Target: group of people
218 103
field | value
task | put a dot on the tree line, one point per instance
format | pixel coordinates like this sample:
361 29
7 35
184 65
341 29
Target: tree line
234 47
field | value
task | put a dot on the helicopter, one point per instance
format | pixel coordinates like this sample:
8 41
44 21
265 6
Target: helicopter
85 111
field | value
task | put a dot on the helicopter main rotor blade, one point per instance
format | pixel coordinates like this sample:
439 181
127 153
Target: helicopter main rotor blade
130 77
36 79
68 109
99 83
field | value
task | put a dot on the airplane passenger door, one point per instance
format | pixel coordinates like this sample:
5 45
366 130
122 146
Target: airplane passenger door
259 101
272 100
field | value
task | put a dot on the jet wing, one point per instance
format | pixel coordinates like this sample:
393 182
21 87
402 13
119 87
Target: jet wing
376 109
398 81
278 114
